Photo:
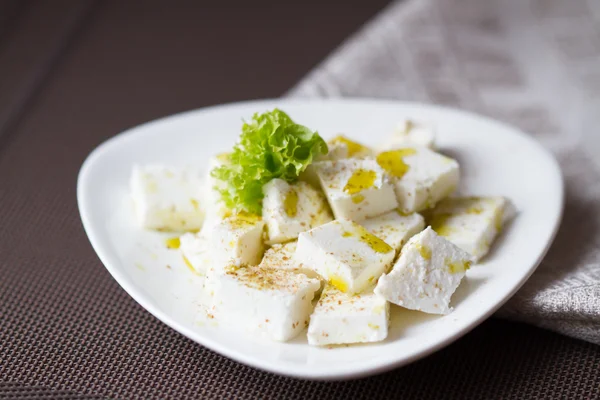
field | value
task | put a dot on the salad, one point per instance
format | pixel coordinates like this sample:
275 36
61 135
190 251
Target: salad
292 232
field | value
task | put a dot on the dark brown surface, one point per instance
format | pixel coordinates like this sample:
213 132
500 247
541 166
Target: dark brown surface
73 73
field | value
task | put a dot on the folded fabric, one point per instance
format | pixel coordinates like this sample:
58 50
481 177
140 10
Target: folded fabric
532 63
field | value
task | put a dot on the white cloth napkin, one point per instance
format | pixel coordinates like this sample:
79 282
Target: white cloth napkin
532 63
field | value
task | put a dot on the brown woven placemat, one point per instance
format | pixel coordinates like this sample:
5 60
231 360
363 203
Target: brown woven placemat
72 74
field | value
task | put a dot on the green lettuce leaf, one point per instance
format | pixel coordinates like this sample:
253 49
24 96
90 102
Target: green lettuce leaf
271 146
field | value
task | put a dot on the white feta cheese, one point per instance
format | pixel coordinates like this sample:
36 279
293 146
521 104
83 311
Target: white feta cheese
281 256
471 223
167 198
340 147
395 228
421 177
345 254
309 175
274 303
237 240
342 318
289 209
195 250
426 274
411 133
356 188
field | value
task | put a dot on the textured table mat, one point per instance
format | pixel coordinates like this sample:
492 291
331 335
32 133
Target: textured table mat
74 73
533 63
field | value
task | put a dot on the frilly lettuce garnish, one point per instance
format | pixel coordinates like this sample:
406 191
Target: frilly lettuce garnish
271 146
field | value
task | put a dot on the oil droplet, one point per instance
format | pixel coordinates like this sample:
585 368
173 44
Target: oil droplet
188 264
440 226
393 161
474 210
373 241
243 219
373 326
353 147
195 204
173 243
346 234
359 198
339 283
498 219
140 266
424 251
402 213
290 203
246 216
227 213
233 268
458 266
361 179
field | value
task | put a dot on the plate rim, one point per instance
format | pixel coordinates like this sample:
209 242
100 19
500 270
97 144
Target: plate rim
130 288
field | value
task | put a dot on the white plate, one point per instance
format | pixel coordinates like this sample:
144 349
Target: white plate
495 159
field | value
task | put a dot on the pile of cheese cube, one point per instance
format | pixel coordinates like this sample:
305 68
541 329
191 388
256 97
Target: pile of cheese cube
333 250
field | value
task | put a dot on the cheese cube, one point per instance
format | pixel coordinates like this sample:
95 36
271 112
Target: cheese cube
471 223
426 274
345 254
237 240
340 147
309 175
356 189
195 250
289 209
342 318
167 198
274 303
411 133
420 176
281 256
394 228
